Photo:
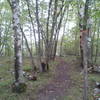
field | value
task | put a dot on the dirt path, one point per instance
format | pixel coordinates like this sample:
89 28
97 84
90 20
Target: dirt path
59 85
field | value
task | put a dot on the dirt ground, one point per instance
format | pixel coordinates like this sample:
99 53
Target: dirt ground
59 85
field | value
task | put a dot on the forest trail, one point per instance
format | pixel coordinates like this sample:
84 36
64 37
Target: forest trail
59 85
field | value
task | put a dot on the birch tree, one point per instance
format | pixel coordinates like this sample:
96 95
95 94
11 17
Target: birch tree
84 28
18 85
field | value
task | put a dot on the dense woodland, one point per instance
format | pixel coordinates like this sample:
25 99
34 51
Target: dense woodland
48 43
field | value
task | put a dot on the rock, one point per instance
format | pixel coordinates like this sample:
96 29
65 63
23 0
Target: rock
97 69
98 85
28 76
34 78
24 73
96 91
97 99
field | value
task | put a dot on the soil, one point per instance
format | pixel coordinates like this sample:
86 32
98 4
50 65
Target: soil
58 87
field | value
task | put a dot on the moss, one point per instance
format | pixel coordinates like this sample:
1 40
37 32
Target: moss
19 87
27 68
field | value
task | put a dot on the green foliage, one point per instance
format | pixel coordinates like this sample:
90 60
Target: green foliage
71 42
27 68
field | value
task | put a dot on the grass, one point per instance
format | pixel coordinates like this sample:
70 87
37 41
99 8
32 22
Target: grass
76 91
7 78
97 61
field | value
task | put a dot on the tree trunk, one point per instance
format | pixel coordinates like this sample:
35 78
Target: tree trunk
97 46
84 37
30 52
57 31
19 85
61 43
85 64
38 26
17 41
33 28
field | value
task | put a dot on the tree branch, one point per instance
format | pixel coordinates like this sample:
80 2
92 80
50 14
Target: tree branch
9 3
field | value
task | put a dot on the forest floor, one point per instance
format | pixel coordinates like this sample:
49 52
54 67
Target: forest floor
64 81
59 85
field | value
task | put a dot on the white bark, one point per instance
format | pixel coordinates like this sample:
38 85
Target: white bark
17 40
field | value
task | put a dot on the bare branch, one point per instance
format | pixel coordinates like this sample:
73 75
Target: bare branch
9 3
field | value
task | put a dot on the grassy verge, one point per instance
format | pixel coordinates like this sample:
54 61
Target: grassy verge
74 93
76 90
7 78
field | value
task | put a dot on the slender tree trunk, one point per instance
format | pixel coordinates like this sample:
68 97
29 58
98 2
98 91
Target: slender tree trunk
47 36
1 49
84 28
22 46
19 85
39 32
31 42
0 35
85 47
61 43
17 42
85 64
93 37
30 52
92 45
57 31
97 46
33 28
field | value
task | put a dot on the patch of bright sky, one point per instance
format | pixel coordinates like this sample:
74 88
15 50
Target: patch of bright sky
1 1
69 26
84 0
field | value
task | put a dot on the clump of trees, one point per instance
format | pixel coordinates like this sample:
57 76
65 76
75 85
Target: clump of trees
43 30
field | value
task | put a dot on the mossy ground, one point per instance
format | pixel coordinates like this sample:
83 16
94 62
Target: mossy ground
74 93
7 78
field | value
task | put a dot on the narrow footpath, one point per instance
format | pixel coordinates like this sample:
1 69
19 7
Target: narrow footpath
58 87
